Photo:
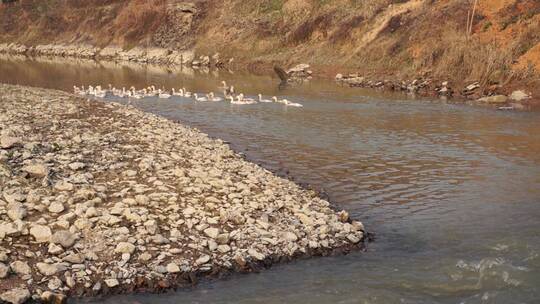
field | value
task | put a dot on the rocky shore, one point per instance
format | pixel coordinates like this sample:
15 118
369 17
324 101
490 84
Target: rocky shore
100 198
493 95
152 55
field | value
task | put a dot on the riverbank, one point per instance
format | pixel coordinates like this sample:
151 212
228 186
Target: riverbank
101 198
503 97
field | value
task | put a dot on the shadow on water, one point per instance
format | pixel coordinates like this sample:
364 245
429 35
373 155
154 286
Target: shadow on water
452 192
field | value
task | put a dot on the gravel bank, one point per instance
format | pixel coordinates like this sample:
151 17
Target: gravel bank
101 198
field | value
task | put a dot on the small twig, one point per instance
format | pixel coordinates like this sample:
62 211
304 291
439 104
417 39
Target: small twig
472 17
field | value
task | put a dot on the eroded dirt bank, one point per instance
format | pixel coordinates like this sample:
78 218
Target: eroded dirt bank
101 198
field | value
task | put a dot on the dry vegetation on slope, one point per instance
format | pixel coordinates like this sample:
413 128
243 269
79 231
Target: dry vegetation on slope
383 38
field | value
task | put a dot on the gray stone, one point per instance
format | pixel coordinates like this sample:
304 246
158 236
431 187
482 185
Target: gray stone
64 238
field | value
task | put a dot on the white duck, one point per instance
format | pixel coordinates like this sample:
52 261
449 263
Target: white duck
197 98
211 97
78 91
98 92
240 100
179 93
263 100
186 93
286 102
163 94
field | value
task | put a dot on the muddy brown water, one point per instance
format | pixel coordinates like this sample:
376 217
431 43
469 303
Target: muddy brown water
451 191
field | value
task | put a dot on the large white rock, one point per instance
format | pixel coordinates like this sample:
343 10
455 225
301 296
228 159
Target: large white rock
519 95
172 268
125 247
211 232
112 283
494 99
47 269
16 211
36 169
21 268
7 142
41 233
15 296
64 238
56 207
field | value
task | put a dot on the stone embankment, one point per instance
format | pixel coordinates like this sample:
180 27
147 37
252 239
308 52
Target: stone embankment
99 198
136 54
429 87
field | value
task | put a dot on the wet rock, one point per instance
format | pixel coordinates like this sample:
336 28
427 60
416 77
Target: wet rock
343 216
494 99
15 296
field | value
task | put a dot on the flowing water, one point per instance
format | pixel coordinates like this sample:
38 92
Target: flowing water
452 192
